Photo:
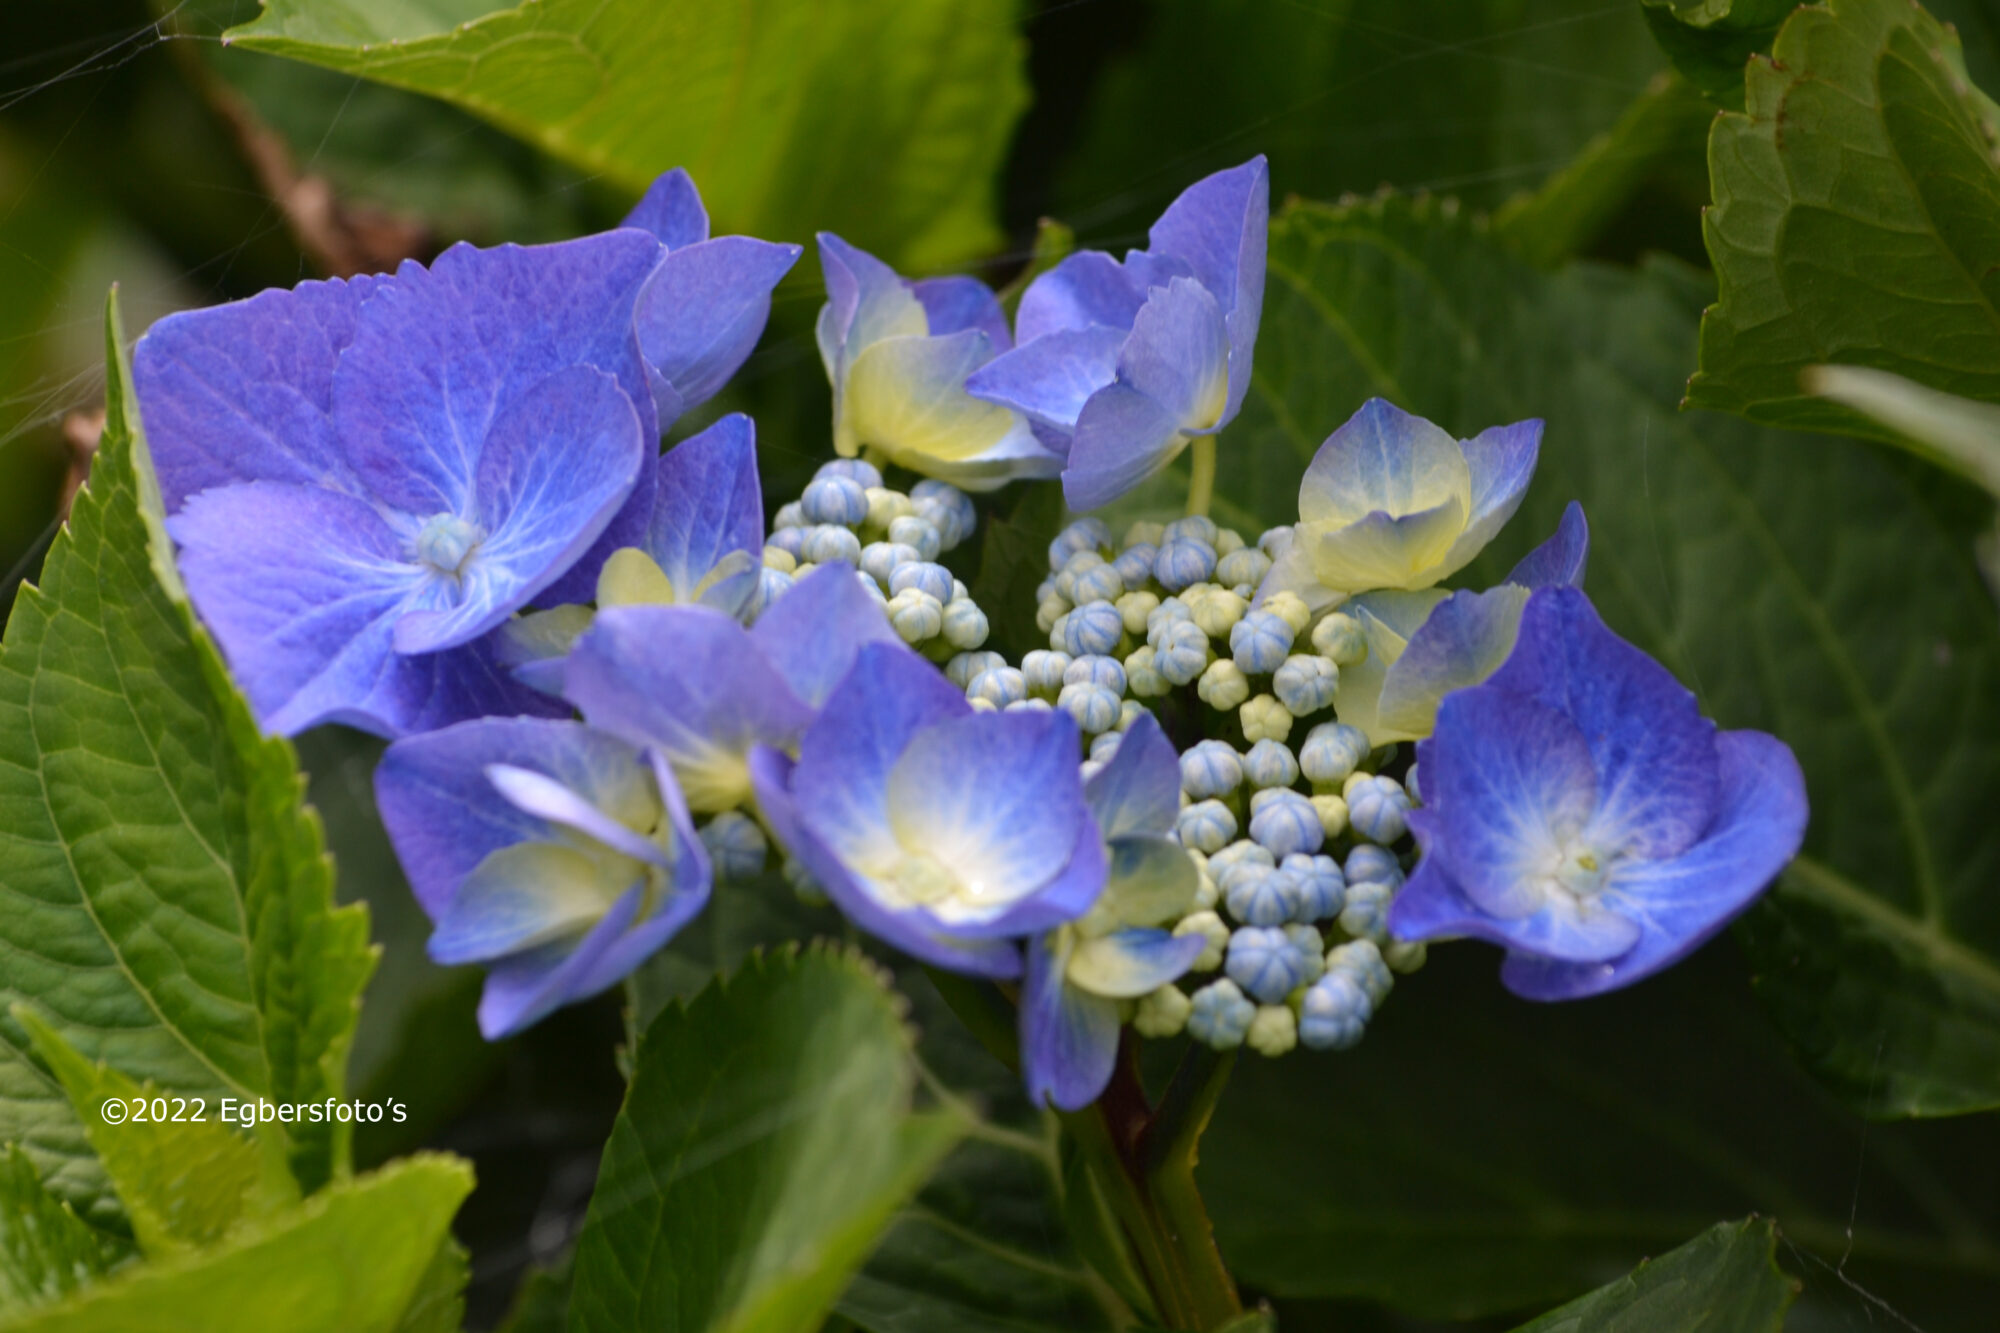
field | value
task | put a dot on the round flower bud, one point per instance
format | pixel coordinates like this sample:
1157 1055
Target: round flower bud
778 558
1135 607
1080 563
1239 853
1341 638
963 668
917 616
1245 565
924 576
1322 888
1227 541
1373 865
1165 614
886 506
916 531
1305 683
1162 1013
1182 561
789 540
1103 746
1206 894
1030 705
1210 768
1043 671
1217 611
1312 950
1050 613
1099 583
1181 653
791 515
965 624
1364 914
1222 686
1094 707
735 844
999 686
1129 712
1142 679
1377 809
1334 1013
1259 895
829 542
1135 564
854 469
1094 627
1331 752
1211 928
1264 963
1287 826
982 705
1195 527
1290 608
1092 669
1273 1031
1269 764
1363 961
839 500
880 560
1272 540
1086 534
1405 956
1206 826
1219 1016
771 585
1332 812
1259 642
1143 532
1264 718
948 508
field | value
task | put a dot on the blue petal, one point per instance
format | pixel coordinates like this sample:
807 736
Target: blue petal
540 506
1067 897
866 301
1139 789
690 881
1653 750
775 778
1049 380
708 503
244 392
1502 462
690 682
1069 1039
1220 226
526 897
955 303
1434 905
522 990
1084 289
1178 355
1382 459
702 312
1561 558
671 209
1127 964
812 634
444 816
1461 643
1122 438
545 798
1681 903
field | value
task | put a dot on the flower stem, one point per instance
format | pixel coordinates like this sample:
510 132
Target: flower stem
1201 475
1169 1150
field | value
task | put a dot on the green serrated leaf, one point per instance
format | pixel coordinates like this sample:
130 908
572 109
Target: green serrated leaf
883 120
1726 1280
1814 588
438 1303
1871 236
46 1251
184 1182
171 905
1710 40
765 1143
352 1259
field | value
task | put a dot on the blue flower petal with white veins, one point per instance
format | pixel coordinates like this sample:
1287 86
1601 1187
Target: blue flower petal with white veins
1139 788
1219 227
1069 1038
955 303
707 531
1462 642
1383 460
672 210
1049 379
1560 559
1502 463
1085 289
1127 964
523 990
701 313
1122 438
812 634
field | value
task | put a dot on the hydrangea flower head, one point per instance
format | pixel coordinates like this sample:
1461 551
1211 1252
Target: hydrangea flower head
947 832
1583 815
1120 365
557 857
1392 501
898 353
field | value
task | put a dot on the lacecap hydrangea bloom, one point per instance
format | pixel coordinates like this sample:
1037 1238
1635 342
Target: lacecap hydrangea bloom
366 478
1121 365
557 857
1581 813
898 353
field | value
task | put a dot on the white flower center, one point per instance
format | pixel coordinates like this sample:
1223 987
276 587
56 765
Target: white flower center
447 542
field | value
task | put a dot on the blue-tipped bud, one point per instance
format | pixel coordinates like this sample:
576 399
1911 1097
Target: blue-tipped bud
1373 865
1288 825
924 576
1365 913
790 516
1099 583
881 560
1331 752
916 615
1181 653
1247 565
771 585
1305 683
1135 564
1259 642
1219 1016
1340 638
1206 826
841 500
1415 792
1273 540
1363 961
1210 769
791 541
1094 707
919 533
998 686
1093 628
1043 670
829 542
1377 809
859 471
1311 948
1065 578
1093 669
964 668
735 844
1269 764
1195 527
1163 616
1182 561
1030 705
1260 895
1086 534
1239 853
1264 963
1334 1013
948 508
1322 888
